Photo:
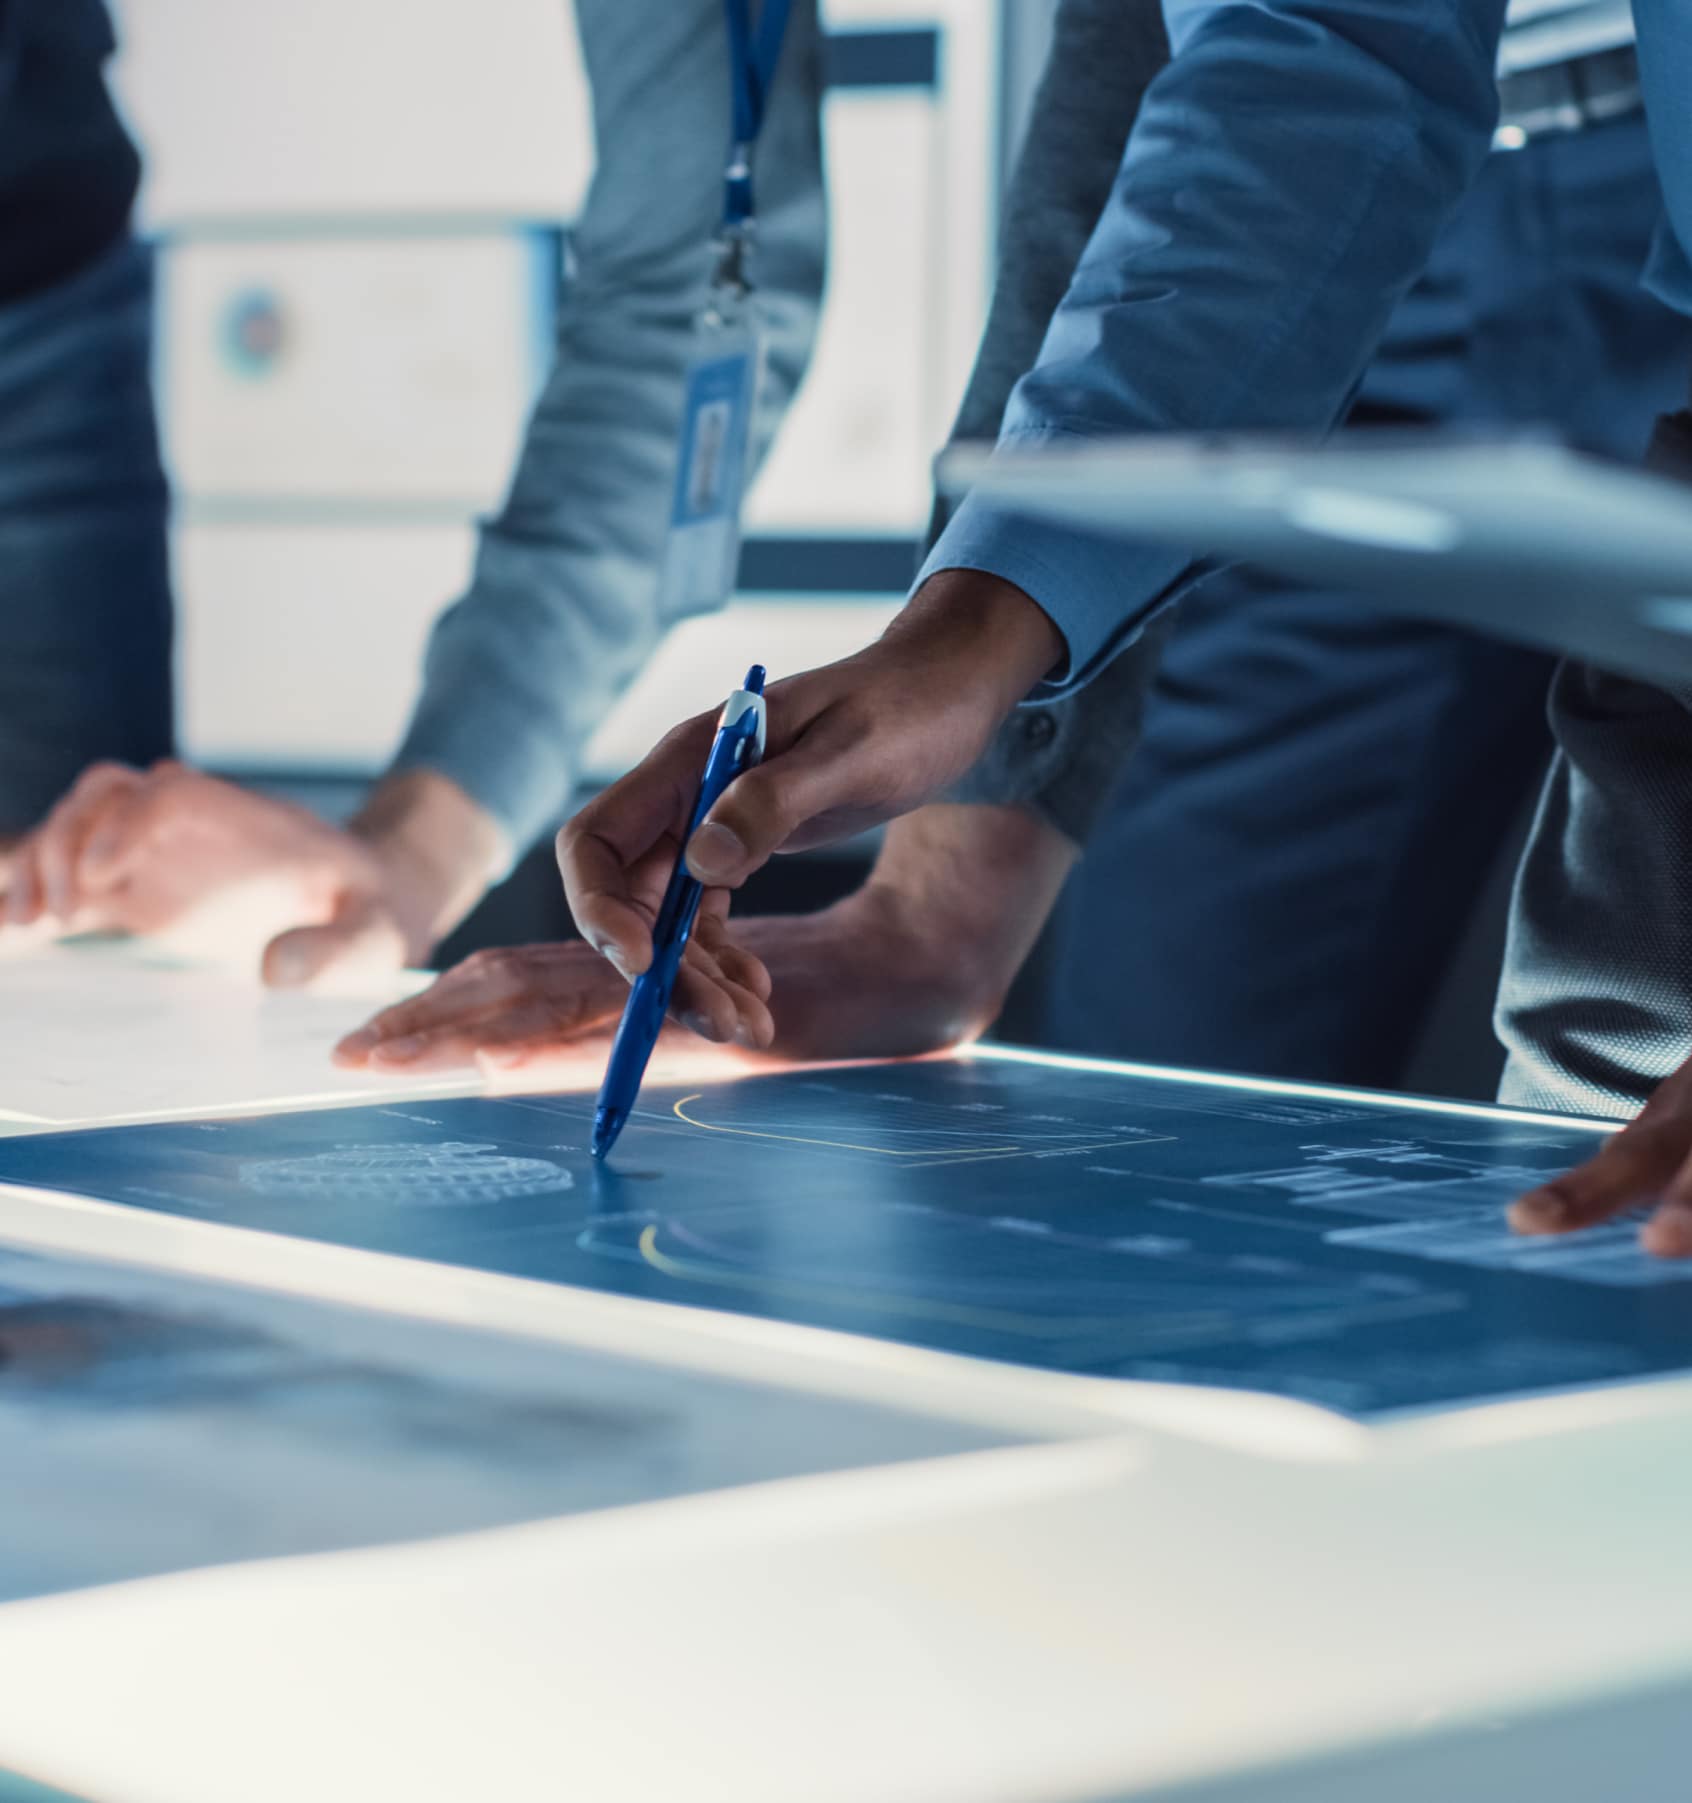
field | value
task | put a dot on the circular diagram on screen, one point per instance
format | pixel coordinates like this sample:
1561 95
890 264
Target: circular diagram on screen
450 1174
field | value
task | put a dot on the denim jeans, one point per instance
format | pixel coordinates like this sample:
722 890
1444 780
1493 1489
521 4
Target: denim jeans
85 604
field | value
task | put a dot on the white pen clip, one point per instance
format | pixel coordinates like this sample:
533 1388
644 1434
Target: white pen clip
741 703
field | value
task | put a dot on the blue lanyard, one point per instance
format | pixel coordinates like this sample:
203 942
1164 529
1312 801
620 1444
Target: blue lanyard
753 54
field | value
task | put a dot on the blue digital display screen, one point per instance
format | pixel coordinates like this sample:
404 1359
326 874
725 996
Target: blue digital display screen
1345 1252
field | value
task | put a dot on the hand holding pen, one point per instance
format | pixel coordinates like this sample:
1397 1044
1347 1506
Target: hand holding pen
736 747
851 745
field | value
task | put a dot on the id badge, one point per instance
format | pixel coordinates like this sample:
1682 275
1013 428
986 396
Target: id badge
703 550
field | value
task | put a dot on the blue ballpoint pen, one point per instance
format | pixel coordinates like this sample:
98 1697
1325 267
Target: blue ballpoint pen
739 745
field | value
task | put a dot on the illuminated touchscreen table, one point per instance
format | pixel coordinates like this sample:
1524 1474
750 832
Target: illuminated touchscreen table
1347 1250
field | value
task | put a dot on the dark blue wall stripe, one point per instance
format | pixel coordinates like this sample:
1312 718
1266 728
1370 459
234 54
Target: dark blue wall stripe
855 565
903 57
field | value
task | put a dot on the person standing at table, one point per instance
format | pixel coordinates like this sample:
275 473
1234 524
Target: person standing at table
85 608
1393 738
1283 187
1315 780
563 606
1426 81
1278 708
1597 1000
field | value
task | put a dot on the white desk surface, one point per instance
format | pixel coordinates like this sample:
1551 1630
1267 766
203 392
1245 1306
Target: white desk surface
101 1032
1162 1590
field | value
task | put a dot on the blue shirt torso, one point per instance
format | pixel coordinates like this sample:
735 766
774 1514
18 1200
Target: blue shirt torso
1282 188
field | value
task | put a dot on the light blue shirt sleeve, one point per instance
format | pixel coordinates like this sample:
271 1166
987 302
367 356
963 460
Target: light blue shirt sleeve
563 608
1281 189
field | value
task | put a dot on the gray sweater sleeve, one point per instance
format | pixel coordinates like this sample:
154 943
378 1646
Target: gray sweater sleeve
1061 760
1595 1000
562 609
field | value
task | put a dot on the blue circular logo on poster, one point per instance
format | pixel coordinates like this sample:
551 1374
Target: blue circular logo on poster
254 332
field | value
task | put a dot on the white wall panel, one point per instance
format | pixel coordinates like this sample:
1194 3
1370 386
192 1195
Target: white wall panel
353 369
853 455
302 646
336 107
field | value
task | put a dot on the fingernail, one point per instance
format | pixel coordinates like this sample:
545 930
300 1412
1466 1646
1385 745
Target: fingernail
1668 1235
611 952
1541 1208
101 847
502 1058
715 853
397 1051
288 965
700 1024
357 1045
743 1036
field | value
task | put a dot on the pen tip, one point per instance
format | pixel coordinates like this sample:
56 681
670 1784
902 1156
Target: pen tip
607 1124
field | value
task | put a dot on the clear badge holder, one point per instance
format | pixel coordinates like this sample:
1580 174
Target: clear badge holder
702 552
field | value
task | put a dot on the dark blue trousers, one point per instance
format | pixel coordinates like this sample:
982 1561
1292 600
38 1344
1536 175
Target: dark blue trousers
85 608
1297 847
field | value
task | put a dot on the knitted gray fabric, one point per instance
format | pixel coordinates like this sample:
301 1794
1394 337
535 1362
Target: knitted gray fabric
1104 55
1595 1005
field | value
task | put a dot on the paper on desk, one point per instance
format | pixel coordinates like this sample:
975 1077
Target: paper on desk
112 1031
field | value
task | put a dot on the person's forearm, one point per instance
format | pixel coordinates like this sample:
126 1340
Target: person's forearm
996 642
438 849
921 957
1282 187
918 958
984 879
563 607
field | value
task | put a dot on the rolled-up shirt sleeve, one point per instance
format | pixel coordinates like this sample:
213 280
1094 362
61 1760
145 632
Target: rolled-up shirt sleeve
1282 187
